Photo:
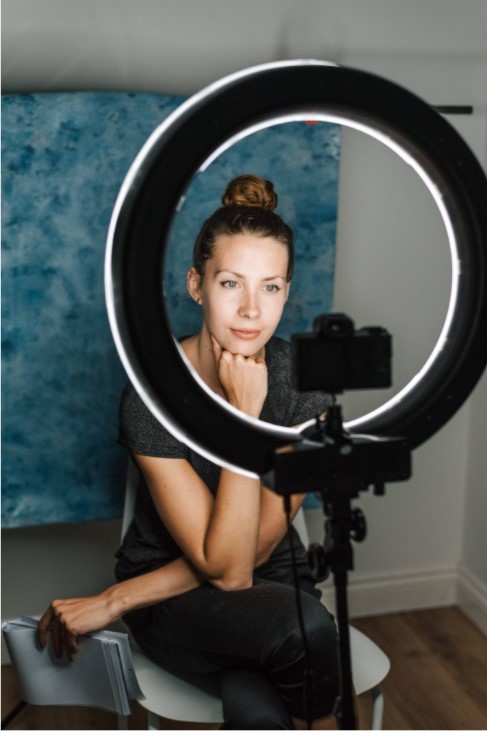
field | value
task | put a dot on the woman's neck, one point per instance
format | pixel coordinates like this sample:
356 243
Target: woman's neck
199 351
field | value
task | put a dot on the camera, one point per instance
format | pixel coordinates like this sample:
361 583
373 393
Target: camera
335 357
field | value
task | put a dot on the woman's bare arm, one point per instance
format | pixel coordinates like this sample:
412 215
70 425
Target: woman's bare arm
217 534
223 539
273 522
70 618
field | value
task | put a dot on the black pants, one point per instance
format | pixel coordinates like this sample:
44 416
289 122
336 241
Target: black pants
252 638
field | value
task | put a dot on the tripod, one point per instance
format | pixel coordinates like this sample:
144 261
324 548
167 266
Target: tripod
337 555
341 465
341 524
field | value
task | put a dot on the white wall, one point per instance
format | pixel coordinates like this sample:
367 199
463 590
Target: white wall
69 560
177 46
426 543
426 537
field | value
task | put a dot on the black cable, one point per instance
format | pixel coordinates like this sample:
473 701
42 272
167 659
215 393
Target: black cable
308 672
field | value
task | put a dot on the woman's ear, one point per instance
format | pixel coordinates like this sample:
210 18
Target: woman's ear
193 283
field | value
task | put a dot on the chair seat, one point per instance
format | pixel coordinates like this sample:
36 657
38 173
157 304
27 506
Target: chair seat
369 664
196 698
191 698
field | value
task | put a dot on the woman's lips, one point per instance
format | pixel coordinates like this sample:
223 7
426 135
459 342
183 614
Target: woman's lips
246 334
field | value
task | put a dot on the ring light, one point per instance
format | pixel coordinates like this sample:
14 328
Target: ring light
185 143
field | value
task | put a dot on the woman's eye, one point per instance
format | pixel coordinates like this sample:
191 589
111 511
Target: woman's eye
230 283
272 288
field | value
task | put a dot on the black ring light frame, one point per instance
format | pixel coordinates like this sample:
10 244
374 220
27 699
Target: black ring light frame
154 188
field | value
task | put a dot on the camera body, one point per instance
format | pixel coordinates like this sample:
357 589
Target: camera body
335 357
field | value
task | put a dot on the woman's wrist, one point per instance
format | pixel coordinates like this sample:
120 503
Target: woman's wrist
118 600
249 409
155 586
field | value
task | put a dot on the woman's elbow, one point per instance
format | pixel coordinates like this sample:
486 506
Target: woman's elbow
225 574
232 583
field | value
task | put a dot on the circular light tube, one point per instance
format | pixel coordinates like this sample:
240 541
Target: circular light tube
163 170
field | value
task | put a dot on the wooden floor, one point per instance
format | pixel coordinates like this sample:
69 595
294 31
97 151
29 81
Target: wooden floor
438 679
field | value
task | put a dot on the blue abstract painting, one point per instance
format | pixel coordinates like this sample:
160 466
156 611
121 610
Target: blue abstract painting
64 159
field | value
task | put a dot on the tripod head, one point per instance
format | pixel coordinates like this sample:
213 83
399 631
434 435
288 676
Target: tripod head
335 463
335 357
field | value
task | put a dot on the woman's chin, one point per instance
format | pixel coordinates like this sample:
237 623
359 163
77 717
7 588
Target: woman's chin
248 349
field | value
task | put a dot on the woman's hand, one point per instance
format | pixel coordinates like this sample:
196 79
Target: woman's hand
70 618
244 379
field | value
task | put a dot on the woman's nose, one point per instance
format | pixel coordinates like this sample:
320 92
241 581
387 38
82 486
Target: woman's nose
249 306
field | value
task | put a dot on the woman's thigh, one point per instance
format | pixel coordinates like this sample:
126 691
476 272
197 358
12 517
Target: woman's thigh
246 623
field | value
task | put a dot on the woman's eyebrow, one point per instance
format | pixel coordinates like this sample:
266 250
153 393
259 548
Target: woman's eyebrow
242 276
227 271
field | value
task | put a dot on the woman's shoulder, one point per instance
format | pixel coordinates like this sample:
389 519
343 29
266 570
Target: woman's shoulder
285 405
130 397
278 345
132 406
278 353
142 432
277 404
278 359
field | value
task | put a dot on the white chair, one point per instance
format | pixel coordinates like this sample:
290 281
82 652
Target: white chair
196 699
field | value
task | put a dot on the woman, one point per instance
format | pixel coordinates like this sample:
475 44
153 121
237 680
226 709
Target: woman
205 574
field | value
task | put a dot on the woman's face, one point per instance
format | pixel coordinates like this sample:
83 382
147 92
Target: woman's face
243 291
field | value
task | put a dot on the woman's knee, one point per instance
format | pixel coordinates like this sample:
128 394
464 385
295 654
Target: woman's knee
251 701
321 637
290 662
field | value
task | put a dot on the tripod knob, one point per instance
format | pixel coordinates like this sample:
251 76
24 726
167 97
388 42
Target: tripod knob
317 562
358 529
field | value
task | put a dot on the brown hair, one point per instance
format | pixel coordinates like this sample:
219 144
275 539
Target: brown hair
248 207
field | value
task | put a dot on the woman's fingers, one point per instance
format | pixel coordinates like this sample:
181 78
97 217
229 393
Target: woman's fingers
69 619
57 638
243 379
63 639
72 645
43 625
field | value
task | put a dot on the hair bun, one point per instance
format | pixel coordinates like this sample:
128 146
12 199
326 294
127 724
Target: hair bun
250 191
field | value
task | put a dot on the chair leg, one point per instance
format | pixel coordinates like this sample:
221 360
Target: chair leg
377 707
153 721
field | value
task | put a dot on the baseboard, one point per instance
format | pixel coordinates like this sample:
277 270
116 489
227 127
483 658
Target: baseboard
385 593
472 598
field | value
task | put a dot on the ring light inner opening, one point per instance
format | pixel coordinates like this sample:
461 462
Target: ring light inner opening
376 132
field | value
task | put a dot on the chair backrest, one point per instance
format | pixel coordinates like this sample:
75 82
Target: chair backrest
299 521
130 494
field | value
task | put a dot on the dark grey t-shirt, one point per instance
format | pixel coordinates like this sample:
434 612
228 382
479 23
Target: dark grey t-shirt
148 544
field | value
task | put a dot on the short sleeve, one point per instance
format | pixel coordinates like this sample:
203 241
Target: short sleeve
142 433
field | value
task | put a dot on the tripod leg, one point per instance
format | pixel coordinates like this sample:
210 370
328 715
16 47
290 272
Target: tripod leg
345 710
